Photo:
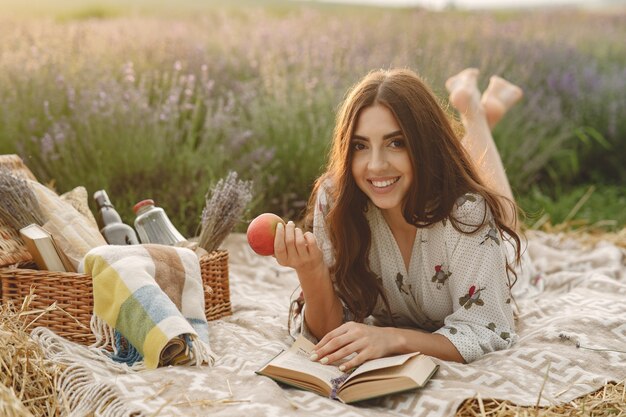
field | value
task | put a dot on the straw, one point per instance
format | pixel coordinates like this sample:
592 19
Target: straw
10 405
27 378
609 400
18 204
224 207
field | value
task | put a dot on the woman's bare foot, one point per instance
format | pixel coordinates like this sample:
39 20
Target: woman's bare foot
498 98
464 93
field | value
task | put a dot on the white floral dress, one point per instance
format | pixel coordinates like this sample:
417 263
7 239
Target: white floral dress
456 284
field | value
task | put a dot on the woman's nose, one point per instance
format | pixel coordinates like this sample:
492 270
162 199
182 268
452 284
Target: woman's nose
378 161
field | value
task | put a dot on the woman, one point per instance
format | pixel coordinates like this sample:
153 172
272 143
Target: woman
405 228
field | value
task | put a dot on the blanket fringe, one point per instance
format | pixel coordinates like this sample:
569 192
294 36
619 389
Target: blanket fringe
126 352
105 334
80 395
201 352
78 390
69 352
108 338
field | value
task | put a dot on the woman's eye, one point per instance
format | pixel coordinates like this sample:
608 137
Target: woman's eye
397 143
358 146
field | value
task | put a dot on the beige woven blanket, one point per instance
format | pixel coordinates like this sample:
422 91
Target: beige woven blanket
584 302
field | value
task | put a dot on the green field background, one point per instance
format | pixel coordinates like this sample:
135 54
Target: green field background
156 99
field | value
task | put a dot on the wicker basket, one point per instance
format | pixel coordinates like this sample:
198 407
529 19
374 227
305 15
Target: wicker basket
72 292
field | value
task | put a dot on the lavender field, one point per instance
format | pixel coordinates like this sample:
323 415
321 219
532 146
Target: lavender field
162 106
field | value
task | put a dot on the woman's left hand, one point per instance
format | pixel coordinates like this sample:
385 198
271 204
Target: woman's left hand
368 342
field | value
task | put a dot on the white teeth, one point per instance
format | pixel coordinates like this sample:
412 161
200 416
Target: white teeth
383 184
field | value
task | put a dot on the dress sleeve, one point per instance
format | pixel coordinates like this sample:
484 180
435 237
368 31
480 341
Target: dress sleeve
322 207
482 316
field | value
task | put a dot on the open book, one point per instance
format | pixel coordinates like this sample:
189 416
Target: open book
372 379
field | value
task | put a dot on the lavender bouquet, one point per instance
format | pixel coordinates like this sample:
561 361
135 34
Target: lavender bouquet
224 207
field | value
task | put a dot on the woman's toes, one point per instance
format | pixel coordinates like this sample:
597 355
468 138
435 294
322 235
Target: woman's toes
464 94
498 98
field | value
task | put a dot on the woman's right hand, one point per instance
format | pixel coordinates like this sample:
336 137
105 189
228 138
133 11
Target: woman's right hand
296 249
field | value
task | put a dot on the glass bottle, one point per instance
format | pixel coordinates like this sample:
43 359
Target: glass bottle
115 232
153 225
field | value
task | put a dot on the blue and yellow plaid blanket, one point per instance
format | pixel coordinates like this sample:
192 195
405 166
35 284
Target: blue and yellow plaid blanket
151 300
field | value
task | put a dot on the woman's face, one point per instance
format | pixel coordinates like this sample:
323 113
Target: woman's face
381 165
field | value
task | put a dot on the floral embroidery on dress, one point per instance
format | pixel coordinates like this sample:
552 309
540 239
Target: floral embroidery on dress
322 207
472 297
491 234
503 335
426 323
380 281
440 276
451 329
464 198
404 288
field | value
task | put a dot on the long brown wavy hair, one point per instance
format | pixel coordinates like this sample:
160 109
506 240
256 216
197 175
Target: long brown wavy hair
442 169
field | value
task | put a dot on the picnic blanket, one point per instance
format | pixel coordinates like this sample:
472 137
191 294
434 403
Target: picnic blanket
583 304
151 296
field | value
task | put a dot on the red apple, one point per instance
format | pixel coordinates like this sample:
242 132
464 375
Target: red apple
261 233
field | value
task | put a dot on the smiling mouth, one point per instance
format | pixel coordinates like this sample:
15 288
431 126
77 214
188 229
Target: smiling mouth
385 183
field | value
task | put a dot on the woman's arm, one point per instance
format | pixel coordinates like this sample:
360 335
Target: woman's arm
293 248
371 342
324 311
481 320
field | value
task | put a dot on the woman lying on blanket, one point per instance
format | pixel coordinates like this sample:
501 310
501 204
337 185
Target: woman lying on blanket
411 226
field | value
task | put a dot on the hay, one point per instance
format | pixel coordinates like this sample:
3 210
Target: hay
27 379
587 234
10 405
609 400
593 237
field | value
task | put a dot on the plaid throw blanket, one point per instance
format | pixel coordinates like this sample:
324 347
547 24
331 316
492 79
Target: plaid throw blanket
149 304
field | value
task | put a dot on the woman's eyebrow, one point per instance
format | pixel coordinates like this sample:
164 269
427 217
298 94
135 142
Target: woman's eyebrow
392 134
387 136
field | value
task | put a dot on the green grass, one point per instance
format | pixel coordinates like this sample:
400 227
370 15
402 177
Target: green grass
601 207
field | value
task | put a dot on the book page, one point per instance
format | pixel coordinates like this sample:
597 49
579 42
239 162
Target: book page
412 374
297 359
381 363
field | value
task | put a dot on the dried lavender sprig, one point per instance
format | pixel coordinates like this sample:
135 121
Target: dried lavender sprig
569 338
224 206
18 205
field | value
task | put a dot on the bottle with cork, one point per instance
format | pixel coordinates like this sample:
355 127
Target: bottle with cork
115 231
153 225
